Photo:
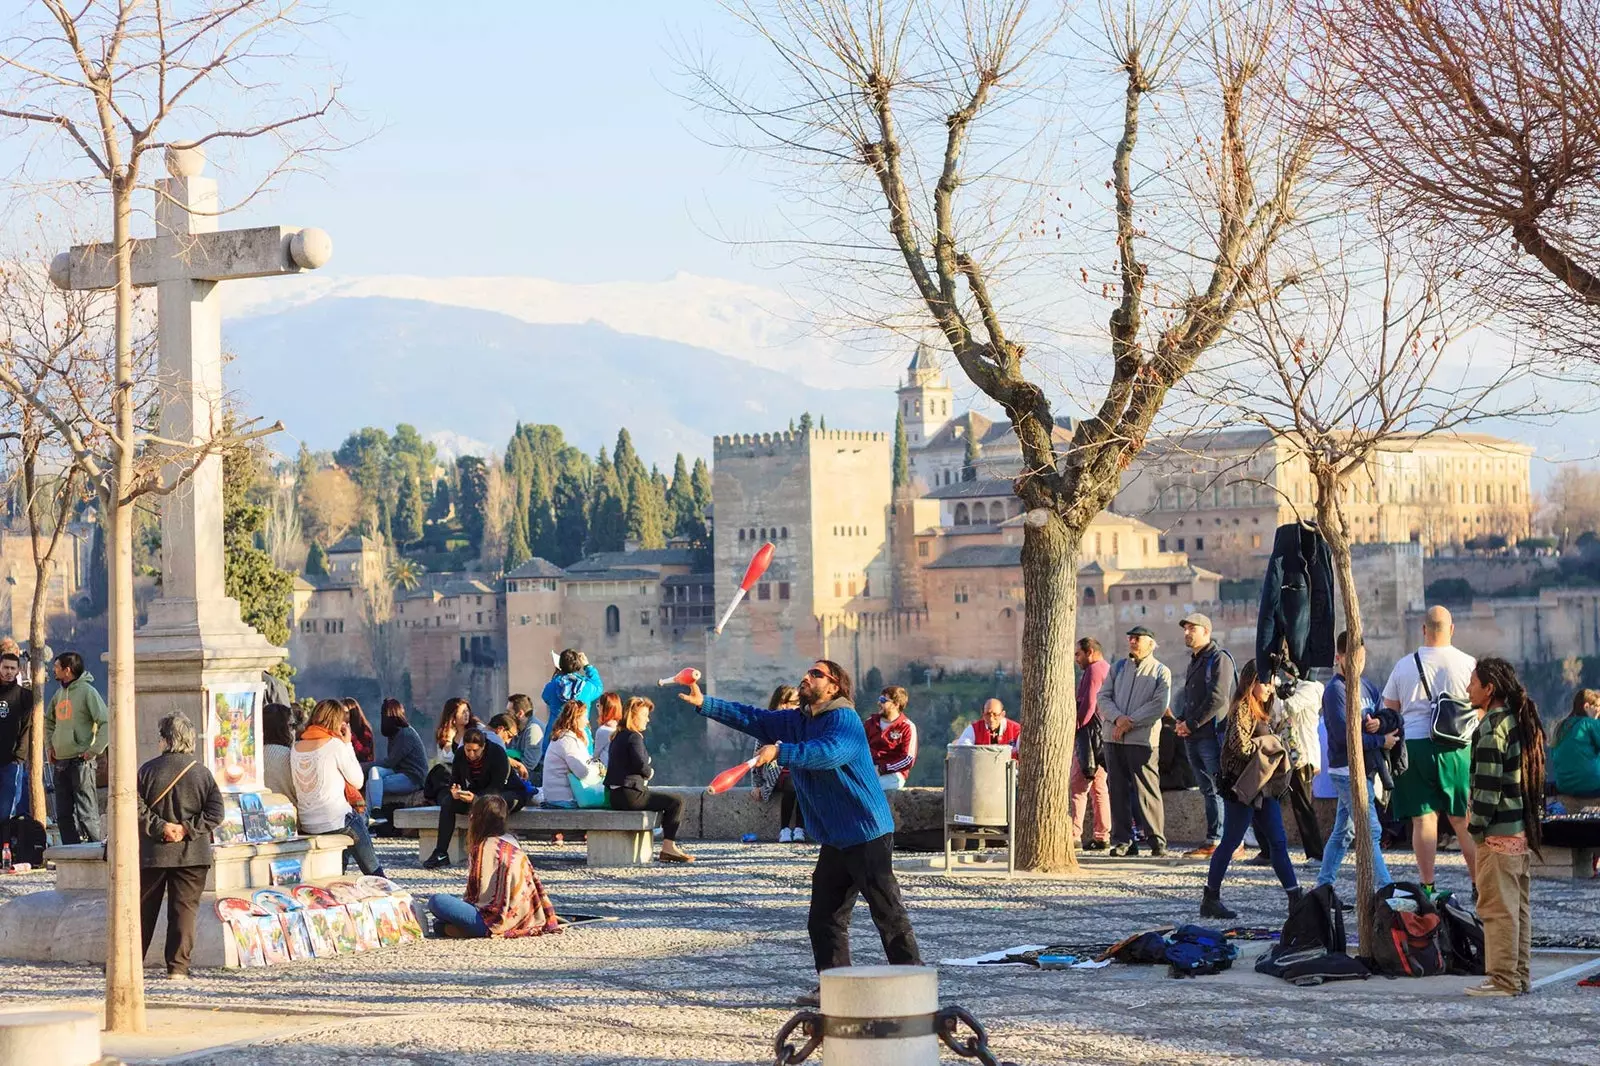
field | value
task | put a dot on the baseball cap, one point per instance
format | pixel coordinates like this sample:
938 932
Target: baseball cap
1141 631
1195 618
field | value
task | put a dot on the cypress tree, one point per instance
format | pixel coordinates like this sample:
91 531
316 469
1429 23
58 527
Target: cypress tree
316 561
969 466
407 520
570 503
517 551
902 464
439 505
680 516
542 535
644 514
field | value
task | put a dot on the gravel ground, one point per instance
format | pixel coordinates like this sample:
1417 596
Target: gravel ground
705 961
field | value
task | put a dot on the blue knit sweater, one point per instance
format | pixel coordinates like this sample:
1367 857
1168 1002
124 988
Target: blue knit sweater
827 756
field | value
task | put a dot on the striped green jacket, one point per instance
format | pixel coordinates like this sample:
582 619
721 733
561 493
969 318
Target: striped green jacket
1496 777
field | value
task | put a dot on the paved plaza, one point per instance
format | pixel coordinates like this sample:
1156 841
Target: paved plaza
705 962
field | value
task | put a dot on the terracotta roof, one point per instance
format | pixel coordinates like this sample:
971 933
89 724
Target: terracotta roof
643 557
538 568
622 573
966 490
1159 575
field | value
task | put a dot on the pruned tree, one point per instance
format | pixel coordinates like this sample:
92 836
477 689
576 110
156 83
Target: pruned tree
109 82
914 126
381 630
1481 119
330 505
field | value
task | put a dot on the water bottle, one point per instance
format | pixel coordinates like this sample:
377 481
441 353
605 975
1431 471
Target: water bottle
748 838
5 858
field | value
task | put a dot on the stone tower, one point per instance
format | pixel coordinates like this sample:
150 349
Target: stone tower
926 399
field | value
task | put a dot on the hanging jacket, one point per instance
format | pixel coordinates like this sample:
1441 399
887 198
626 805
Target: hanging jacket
1296 602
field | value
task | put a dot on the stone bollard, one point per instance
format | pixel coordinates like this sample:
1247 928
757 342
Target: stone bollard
882 1016
60 1037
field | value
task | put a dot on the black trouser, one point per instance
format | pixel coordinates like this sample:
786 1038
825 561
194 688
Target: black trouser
1305 812
182 885
449 808
77 803
787 806
669 806
1135 784
841 875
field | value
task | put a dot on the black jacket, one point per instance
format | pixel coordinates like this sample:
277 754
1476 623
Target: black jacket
16 717
1296 602
492 773
194 803
628 765
1207 686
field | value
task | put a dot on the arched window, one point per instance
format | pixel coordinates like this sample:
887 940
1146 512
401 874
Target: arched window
1088 596
783 533
1138 594
613 621
741 534
980 515
1155 594
962 519
997 512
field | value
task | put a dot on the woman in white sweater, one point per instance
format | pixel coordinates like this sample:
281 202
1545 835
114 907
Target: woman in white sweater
328 780
569 754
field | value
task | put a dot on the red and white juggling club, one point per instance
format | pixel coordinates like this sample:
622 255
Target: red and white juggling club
685 677
752 573
731 776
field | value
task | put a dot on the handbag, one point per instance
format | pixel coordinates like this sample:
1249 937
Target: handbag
1454 720
588 792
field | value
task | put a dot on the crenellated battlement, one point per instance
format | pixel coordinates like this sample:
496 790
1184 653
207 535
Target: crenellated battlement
795 440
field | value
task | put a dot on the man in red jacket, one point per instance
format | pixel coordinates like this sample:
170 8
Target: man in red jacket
892 737
993 727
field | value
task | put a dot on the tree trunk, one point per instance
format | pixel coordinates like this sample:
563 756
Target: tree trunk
37 678
1044 839
124 960
1330 516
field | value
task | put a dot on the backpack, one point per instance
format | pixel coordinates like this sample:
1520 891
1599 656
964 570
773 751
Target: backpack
1312 967
1454 720
1148 949
27 840
1408 942
1195 951
1464 933
1315 922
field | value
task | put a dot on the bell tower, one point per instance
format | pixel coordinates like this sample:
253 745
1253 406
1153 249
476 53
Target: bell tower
926 399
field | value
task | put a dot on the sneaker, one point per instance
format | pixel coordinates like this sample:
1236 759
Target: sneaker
1202 852
785 836
799 835
178 975
1158 850
1117 851
1097 845
436 860
812 998
1489 988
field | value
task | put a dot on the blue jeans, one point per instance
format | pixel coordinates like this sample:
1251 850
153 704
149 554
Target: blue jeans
453 910
13 789
382 779
355 823
891 782
1344 832
1236 818
1205 759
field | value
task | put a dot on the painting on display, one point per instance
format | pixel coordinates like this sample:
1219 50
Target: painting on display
233 737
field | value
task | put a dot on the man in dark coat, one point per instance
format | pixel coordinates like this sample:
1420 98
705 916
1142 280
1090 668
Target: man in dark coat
179 805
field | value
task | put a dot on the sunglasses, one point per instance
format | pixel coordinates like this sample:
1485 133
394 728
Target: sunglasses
820 675
883 699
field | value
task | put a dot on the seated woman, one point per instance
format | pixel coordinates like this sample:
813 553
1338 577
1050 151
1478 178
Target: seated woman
607 713
480 769
453 722
504 897
628 779
569 754
1575 757
360 732
327 783
773 780
404 766
277 747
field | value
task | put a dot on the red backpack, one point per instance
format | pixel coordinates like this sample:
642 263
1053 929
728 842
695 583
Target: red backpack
1409 942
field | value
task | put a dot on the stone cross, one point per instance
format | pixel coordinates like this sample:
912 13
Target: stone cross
194 637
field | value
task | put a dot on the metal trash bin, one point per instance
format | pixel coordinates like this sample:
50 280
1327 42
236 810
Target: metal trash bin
980 797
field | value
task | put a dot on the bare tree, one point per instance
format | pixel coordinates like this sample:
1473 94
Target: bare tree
1572 503
1354 364
915 123
107 80
1483 116
382 632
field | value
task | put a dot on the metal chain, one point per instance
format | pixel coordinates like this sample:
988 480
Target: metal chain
976 1046
810 1024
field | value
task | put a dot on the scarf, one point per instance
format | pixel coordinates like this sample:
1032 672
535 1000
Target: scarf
352 794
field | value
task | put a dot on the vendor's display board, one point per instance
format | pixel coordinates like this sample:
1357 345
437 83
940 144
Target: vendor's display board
273 926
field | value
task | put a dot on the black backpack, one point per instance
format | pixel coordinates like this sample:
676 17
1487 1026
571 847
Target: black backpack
1407 942
27 840
1463 934
1316 921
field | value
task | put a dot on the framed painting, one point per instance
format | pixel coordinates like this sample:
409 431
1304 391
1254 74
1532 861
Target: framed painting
233 737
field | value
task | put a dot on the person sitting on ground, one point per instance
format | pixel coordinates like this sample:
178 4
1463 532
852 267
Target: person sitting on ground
892 737
277 748
1253 776
1575 757
179 805
453 722
504 897
405 765
628 773
574 679
607 715
327 783
568 753
360 733
774 780
993 727
480 769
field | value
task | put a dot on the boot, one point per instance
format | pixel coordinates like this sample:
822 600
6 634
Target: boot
1211 906
1295 896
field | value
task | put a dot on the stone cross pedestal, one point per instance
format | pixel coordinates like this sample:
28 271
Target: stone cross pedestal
194 638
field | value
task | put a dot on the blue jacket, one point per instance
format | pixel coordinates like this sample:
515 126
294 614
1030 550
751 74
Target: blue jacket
1333 717
1297 596
829 761
583 686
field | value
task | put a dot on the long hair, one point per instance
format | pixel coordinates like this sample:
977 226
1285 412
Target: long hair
783 696
631 715
444 733
277 725
359 726
1244 693
841 678
330 715
485 821
1501 676
608 708
393 708
574 719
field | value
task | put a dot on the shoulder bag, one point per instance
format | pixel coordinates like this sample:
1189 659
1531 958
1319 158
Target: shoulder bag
1454 720
589 792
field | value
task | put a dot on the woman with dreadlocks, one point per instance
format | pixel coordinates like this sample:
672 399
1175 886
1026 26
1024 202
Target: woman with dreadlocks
1507 800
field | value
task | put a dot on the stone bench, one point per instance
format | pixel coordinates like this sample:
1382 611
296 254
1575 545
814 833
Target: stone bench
83 867
616 838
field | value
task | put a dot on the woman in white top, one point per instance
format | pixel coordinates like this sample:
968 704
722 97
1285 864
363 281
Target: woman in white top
453 722
569 754
328 780
608 716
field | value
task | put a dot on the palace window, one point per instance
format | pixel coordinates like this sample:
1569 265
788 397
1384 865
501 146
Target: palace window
763 591
783 590
613 620
1199 544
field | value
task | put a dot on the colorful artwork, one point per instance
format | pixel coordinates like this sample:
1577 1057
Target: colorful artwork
324 942
408 917
247 941
274 941
366 926
371 886
283 821
231 907
344 891
273 901
285 871
384 915
344 929
233 736
299 935
231 829
313 896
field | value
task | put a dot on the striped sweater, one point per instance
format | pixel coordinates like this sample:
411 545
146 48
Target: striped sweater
1497 778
